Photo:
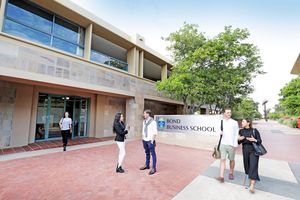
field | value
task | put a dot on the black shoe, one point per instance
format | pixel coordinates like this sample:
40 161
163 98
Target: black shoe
120 170
144 167
152 172
65 148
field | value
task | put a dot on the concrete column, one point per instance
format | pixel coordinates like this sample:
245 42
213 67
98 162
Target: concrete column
2 11
92 117
88 42
131 60
32 129
21 116
164 72
137 62
141 64
99 128
134 116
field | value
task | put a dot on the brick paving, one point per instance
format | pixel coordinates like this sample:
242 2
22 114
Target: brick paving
90 174
52 144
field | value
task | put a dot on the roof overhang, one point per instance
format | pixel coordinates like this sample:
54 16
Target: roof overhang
296 67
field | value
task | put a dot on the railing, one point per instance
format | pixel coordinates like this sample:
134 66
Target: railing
107 60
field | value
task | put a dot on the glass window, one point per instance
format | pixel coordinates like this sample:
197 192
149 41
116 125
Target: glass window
66 46
24 13
41 117
100 58
107 60
25 20
19 30
68 31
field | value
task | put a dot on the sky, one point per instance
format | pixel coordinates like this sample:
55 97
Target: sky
273 25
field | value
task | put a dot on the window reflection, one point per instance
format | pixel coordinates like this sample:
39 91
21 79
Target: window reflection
19 30
68 31
23 19
26 14
66 46
107 60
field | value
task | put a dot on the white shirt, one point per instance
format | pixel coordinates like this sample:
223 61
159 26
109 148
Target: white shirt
66 123
230 132
152 130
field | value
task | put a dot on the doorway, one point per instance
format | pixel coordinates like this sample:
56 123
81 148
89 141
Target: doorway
50 110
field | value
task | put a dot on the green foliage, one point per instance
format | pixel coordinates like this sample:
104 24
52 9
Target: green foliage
289 121
290 97
294 123
213 71
247 108
275 115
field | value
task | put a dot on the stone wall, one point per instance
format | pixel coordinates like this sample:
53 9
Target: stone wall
7 103
112 106
39 61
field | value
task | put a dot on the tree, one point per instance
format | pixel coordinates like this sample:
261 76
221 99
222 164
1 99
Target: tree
290 97
247 108
183 82
214 71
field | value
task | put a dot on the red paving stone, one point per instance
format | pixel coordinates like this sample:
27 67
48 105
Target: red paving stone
281 147
51 144
90 174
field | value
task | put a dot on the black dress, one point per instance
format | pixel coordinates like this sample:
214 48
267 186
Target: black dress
249 157
119 129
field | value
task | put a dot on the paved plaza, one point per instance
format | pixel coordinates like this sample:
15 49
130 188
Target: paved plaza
88 172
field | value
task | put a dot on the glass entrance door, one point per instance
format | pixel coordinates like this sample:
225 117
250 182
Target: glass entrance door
56 112
51 109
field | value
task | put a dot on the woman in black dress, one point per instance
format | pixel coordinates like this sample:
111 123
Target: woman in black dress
248 135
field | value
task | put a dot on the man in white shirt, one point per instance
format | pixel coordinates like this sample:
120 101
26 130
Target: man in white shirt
149 134
229 142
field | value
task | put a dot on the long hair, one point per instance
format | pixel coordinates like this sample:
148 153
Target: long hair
250 122
64 115
116 120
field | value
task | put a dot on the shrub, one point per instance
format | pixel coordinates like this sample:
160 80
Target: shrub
275 115
294 123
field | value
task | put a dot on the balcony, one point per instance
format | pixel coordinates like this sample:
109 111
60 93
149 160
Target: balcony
107 60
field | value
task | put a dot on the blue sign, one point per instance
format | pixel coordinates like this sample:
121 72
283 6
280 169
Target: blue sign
161 123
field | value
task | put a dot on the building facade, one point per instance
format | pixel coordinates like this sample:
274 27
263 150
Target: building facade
57 57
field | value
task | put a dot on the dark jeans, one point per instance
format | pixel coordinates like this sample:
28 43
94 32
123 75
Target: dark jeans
150 149
64 135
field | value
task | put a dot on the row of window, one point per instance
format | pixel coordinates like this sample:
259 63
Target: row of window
26 20
30 22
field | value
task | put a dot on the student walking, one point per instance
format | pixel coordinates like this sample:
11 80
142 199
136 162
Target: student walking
149 134
248 135
120 131
229 142
65 125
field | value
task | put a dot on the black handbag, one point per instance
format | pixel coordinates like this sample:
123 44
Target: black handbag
259 149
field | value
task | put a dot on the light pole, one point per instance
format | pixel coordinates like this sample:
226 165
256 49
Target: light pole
265 109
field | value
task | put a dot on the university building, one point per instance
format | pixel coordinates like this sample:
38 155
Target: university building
57 57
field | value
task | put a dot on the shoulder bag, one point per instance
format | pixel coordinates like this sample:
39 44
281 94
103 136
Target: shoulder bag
260 150
217 154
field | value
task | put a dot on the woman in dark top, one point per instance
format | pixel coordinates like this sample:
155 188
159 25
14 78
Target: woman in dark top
248 135
120 131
